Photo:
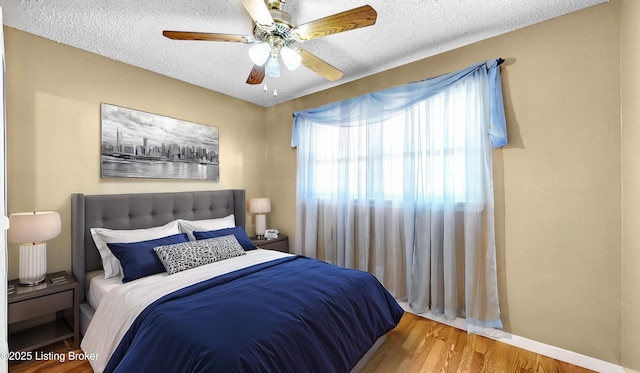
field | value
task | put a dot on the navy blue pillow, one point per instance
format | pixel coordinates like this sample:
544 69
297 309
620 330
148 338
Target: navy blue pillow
239 232
138 259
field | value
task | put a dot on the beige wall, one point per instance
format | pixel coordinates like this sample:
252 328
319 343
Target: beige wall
557 184
53 129
630 88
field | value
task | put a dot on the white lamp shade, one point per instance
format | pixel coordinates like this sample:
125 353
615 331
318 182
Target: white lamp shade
259 53
291 58
260 205
26 227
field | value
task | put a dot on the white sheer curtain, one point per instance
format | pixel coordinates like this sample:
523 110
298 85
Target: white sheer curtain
399 183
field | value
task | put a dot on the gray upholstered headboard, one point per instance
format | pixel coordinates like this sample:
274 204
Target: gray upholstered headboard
141 210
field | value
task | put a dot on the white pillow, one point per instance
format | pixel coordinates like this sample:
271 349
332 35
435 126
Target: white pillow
189 226
103 236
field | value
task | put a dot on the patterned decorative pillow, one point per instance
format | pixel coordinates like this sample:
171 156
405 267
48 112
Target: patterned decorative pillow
186 255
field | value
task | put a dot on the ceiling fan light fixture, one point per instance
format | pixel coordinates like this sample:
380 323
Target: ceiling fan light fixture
290 58
275 30
259 53
273 67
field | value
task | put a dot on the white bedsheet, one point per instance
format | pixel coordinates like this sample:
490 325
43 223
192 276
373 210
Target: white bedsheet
121 305
99 286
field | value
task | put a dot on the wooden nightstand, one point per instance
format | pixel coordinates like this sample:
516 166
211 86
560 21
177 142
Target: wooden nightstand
281 243
43 314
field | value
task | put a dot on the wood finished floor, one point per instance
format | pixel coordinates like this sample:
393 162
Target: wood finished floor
422 345
416 345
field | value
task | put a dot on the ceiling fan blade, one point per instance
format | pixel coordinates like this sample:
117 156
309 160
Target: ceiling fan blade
187 35
349 20
318 66
257 75
259 12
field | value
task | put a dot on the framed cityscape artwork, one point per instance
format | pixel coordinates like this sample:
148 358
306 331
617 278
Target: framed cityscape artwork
138 144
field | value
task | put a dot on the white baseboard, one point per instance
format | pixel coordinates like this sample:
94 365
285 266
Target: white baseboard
534 346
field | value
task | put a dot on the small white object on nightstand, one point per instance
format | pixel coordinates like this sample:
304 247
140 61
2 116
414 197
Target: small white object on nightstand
270 234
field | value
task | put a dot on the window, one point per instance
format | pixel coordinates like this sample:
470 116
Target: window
422 151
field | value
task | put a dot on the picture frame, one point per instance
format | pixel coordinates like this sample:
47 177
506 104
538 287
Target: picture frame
138 144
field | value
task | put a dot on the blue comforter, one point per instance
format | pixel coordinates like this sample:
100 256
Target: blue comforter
288 315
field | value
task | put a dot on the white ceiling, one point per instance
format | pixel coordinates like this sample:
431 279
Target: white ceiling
405 31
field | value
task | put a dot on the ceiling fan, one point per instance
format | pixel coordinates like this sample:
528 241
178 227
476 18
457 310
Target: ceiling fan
275 31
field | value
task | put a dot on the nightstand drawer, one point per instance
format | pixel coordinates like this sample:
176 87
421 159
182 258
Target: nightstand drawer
40 306
281 243
279 246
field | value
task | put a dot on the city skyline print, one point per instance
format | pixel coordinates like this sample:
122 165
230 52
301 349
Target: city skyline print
138 144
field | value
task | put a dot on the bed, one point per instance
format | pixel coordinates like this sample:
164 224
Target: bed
258 310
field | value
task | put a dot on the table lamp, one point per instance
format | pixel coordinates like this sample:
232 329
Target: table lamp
30 230
260 206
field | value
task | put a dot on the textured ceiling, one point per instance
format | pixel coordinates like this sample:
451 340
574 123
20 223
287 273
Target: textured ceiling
405 31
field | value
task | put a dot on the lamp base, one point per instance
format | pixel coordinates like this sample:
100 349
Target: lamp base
32 283
261 225
33 264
